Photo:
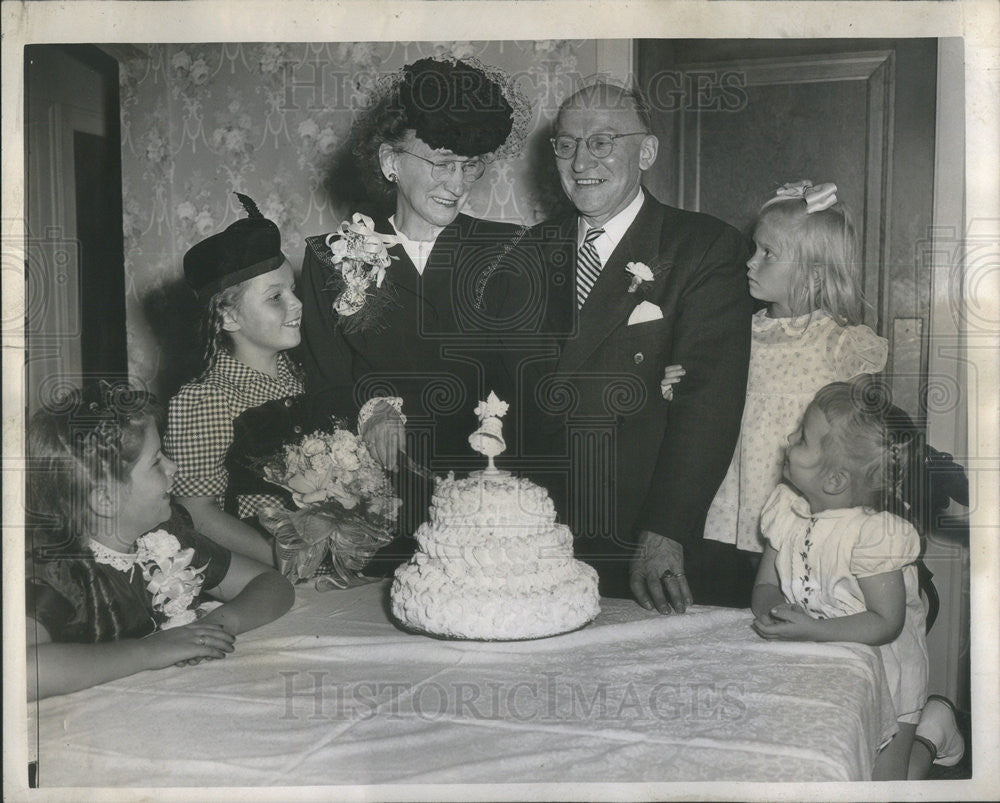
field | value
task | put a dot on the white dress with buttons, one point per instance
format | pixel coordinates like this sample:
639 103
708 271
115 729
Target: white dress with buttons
790 359
820 558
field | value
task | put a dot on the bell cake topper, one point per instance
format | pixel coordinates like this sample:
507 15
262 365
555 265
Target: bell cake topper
488 439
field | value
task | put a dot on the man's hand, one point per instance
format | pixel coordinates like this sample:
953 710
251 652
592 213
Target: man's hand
657 571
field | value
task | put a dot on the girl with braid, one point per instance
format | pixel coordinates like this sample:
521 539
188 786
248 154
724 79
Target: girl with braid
840 560
116 574
252 318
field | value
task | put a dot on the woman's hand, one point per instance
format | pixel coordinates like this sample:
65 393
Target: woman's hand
384 433
787 622
189 644
671 376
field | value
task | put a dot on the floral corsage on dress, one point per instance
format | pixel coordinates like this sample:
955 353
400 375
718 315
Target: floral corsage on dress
356 262
172 582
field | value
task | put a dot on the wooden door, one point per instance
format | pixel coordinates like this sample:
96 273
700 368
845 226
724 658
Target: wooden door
738 118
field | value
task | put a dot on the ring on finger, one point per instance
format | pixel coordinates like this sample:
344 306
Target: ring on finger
201 641
671 575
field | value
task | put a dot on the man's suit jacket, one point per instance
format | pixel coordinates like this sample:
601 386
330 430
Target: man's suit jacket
617 456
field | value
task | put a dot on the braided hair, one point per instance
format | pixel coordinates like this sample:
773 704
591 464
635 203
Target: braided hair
214 335
81 440
862 440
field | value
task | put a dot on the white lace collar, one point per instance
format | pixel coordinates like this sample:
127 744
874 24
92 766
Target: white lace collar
122 561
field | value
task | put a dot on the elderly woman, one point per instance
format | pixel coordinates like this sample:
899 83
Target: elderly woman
425 139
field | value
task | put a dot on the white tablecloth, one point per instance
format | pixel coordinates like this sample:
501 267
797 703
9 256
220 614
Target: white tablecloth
334 693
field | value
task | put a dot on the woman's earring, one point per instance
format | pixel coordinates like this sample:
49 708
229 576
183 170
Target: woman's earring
391 178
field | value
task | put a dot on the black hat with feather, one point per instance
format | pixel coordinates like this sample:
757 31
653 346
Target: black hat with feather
247 248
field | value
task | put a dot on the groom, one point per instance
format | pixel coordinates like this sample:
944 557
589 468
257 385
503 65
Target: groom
642 470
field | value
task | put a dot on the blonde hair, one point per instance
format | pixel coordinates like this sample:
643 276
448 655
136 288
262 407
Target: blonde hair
862 442
215 336
824 248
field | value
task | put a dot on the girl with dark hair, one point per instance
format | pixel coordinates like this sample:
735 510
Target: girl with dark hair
113 560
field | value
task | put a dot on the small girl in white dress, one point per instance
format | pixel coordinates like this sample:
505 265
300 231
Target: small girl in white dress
838 565
810 334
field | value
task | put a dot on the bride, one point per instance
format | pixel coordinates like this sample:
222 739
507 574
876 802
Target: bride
427 136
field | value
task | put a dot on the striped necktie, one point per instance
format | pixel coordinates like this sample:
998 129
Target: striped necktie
588 267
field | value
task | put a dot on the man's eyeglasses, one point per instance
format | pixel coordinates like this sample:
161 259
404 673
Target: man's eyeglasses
472 169
599 145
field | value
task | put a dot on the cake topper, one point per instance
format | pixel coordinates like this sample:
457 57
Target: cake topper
488 439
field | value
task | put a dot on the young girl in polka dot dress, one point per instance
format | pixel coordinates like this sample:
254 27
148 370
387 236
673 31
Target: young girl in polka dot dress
809 334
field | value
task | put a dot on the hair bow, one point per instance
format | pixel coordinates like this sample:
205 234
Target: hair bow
817 198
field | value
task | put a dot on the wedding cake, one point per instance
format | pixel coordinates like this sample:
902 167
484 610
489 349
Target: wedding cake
492 563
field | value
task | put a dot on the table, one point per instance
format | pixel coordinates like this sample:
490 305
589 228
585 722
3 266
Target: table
334 693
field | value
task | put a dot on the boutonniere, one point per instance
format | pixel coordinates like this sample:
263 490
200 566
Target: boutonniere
640 272
359 257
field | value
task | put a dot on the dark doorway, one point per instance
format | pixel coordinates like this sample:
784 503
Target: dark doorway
74 245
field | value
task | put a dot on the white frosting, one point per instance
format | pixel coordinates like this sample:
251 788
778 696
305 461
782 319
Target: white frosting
493 564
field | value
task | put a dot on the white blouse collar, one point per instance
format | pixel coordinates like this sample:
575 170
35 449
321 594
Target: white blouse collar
418 251
122 561
800 506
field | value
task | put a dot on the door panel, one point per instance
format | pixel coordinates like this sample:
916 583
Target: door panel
745 117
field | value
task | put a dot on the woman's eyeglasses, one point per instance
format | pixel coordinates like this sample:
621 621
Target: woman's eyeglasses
599 145
472 169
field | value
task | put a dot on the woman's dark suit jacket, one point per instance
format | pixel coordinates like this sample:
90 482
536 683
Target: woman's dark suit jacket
436 345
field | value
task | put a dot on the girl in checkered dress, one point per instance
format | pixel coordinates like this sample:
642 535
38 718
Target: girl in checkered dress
116 572
252 319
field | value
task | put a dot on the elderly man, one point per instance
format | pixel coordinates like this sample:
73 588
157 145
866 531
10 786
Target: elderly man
646 286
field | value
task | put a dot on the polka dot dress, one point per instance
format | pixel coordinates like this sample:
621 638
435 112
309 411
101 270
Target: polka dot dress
790 359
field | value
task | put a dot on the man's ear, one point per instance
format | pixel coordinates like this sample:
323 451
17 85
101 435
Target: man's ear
102 501
648 150
387 157
836 482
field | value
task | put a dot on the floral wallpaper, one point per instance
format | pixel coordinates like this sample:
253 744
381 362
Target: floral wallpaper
202 121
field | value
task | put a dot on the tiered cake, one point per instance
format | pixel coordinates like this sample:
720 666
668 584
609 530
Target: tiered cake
492 563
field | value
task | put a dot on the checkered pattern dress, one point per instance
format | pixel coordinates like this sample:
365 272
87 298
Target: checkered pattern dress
200 425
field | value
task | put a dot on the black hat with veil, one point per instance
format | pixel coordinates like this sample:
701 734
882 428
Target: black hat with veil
459 105
467 108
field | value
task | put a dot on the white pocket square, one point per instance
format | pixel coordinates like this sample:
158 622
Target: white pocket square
645 312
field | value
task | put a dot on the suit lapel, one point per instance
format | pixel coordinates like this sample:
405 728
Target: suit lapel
402 273
609 303
563 320
442 266
432 288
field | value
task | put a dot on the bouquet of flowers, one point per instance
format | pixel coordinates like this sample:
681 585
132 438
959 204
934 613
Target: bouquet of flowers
359 259
346 506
